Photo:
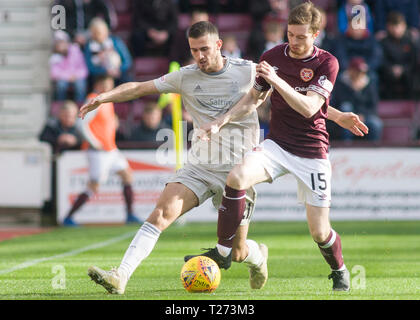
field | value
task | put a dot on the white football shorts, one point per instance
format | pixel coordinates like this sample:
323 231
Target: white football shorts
103 163
211 184
313 175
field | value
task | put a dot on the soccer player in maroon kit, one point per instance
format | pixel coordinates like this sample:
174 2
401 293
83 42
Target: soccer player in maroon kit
302 77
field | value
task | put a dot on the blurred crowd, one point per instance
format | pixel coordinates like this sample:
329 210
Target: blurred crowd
376 43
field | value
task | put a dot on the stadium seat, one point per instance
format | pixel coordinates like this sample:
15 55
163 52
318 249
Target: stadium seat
397 134
138 106
121 6
396 109
149 68
124 22
234 22
398 117
123 110
183 21
331 22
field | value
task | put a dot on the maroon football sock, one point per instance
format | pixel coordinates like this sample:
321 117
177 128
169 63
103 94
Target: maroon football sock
231 213
331 250
128 197
80 201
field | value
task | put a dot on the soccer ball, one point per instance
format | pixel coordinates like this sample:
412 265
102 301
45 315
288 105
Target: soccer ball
200 274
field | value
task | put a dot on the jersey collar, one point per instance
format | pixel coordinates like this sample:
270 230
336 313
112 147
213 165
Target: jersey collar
225 66
313 56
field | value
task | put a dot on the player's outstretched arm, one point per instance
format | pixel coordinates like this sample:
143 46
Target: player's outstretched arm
124 92
348 120
247 104
307 105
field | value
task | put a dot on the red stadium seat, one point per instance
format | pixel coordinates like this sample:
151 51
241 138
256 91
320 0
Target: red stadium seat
123 110
124 22
138 107
331 22
183 21
121 5
397 135
396 109
398 117
149 68
234 22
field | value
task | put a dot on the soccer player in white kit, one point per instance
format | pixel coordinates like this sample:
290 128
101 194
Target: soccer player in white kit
209 88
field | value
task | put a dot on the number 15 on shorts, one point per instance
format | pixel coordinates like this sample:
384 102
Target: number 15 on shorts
318 181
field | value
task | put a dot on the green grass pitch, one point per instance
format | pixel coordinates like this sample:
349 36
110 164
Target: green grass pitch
383 258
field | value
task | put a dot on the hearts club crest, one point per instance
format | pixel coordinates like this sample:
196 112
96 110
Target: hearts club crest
306 74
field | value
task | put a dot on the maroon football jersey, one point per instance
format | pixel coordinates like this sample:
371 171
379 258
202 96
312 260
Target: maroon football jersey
304 137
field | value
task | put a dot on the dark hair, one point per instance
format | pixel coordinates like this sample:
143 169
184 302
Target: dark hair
101 78
202 28
306 13
395 18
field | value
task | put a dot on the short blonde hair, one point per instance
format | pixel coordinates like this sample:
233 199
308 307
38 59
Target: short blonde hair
306 13
98 22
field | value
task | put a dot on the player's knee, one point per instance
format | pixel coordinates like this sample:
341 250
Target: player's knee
93 187
319 236
161 218
237 178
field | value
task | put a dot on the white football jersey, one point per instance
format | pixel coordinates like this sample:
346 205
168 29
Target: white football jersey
205 97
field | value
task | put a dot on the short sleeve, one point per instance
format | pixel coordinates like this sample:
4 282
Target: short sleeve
324 79
169 83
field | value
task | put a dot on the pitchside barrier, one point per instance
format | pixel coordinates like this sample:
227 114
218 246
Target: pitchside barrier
367 184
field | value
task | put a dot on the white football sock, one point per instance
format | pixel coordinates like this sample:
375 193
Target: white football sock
140 248
224 251
255 256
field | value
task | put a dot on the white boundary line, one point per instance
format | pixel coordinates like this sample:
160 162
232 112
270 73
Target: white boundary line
31 263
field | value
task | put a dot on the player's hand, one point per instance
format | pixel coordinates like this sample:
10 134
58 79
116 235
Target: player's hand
352 122
90 106
265 70
208 129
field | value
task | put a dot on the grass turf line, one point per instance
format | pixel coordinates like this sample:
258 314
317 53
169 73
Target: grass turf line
387 251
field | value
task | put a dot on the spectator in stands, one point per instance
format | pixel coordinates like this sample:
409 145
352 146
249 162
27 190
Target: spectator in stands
68 68
273 35
79 14
397 74
346 14
107 54
187 6
355 92
151 123
265 12
62 133
409 8
325 39
155 25
230 47
180 49
358 43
